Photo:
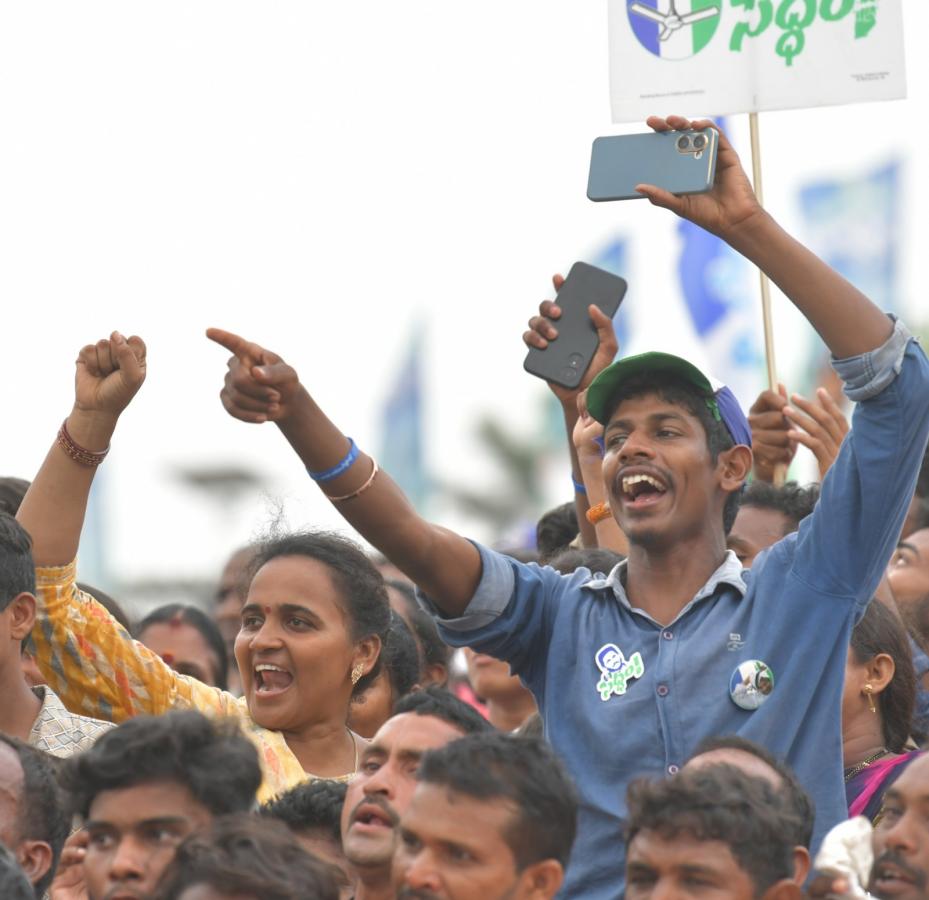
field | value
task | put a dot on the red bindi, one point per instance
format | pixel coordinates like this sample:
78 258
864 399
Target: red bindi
268 610
168 657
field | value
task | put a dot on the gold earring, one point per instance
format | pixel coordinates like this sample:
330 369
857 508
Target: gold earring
357 672
869 690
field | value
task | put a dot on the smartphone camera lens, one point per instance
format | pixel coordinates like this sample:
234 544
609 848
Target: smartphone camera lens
683 142
699 141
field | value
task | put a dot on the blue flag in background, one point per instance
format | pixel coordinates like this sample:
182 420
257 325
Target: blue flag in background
854 225
401 451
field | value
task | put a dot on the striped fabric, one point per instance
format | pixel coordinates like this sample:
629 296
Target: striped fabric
98 670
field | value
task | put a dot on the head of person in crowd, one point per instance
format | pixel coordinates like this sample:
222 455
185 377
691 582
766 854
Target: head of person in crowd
380 791
880 687
188 640
493 816
767 513
242 857
230 595
313 813
434 652
34 822
900 839
908 575
19 706
12 491
555 531
314 621
14 885
755 760
148 784
677 452
509 702
398 676
712 831
596 559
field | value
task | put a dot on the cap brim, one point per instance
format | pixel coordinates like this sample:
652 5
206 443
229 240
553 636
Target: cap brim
606 385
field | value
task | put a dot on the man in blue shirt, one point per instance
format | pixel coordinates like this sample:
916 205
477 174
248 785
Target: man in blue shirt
632 671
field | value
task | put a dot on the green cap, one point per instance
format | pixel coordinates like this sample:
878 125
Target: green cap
720 400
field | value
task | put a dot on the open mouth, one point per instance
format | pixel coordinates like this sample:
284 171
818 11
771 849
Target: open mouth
271 679
372 817
891 880
640 490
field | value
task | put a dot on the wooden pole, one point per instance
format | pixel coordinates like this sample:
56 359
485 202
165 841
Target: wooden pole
780 472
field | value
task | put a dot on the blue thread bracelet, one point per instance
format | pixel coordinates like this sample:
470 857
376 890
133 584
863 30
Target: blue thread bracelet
336 470
578 486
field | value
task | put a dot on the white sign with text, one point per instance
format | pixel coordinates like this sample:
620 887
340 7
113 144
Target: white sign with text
713 57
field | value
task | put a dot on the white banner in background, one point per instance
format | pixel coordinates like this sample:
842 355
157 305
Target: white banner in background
712 57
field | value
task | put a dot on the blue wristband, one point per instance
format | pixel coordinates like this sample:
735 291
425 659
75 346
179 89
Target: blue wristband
336 470
579 487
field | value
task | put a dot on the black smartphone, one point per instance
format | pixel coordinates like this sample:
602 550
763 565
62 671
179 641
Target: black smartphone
565 360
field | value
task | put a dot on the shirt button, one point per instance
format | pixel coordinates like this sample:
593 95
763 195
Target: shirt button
662 690
668 635
673 770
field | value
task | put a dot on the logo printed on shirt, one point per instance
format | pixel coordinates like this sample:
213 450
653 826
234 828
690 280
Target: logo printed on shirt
735 642
616 671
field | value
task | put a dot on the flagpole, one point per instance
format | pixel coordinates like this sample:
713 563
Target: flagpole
780 471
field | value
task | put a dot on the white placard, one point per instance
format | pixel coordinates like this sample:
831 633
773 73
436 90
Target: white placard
712 57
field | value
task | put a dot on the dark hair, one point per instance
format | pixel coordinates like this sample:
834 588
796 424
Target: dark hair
521 770
17 570
676 390
435 650
189 615
719 803
438 702
14 885
248 856
795 797
12 491
108 603
880 631
400 657
310 806
364 596
795 503
597 559
555 530
41 812
212 759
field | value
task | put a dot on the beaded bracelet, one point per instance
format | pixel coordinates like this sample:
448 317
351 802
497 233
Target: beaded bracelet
339 468
578 486
598 513
79 454
360 490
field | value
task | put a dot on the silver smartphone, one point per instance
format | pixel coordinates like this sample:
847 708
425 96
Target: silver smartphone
682 162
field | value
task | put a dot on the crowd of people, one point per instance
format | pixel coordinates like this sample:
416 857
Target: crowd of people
701 681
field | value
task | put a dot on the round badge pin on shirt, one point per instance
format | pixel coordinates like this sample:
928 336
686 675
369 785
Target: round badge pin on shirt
751 684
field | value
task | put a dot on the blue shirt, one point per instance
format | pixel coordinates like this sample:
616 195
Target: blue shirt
793 611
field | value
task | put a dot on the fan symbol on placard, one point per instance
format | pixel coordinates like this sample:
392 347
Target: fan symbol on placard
670 34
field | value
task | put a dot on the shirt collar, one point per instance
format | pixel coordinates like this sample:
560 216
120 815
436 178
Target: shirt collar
729 572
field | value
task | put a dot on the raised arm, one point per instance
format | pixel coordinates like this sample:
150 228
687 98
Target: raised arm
261 387
542 331
847 321
108 375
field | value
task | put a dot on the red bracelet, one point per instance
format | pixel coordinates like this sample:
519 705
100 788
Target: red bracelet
79 454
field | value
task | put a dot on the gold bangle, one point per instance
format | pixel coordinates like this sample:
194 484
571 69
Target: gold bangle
360 490
598 513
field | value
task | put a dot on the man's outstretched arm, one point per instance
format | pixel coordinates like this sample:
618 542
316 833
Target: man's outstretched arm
847 321
261 387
